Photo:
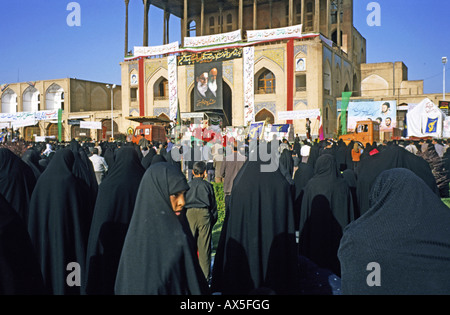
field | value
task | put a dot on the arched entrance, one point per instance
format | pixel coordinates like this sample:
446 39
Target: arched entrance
80 133
105 133
54 97
265 115
30 131
31 99
52 131
9 101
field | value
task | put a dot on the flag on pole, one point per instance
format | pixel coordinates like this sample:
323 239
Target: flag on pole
344 105
321 136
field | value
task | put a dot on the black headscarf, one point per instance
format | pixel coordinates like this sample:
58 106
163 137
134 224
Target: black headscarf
302 175
59 221
287 165
17 182
391 157
158 255
20 272
112 214
257 248
327 207
31 157
405 232
147 159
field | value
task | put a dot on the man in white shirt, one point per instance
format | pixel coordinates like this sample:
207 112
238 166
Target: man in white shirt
99 164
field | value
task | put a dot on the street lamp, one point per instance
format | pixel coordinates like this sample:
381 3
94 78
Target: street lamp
112 109
444 61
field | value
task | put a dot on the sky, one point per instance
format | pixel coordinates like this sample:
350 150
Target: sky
37 43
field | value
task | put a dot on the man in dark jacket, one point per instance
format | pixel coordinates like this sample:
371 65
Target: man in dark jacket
201 213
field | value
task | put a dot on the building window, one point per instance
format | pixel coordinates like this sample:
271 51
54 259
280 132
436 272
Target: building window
266 83
211 25
229 22
162 92
300 82
133 94
298 13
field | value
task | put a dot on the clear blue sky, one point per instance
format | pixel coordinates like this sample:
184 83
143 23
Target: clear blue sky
37 44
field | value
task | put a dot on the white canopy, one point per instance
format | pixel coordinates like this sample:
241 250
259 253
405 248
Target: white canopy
425 120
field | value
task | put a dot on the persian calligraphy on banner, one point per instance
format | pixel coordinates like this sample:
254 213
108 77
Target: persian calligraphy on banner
274 33
156 50
224 38
209 56
298 114
249 94
173 87
27 116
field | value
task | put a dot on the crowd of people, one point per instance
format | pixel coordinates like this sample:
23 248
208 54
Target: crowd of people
129 218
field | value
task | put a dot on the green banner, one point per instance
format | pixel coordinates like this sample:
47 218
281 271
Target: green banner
59 124
344 105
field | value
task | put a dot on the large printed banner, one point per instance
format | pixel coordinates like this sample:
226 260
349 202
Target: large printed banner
16 118
173 87
249 90
208 86
385 112
275 33
91 124
298 114
155 50
209 56
224 38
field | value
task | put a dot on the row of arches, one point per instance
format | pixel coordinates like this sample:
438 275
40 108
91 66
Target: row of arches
31 99
74 131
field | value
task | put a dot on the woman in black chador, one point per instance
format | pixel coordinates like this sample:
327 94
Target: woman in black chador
327 207
112 214
20 272
401 245
59 220
17 182
159 255
257 249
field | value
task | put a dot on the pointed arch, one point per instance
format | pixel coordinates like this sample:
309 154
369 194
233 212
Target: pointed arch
327 86
99 98
9 101
265 115
374 85
54 97
31 99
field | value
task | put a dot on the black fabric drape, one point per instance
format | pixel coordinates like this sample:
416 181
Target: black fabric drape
327 207
257 249
59 221
112 214
405 232
17 182
20 272
389 157
158 255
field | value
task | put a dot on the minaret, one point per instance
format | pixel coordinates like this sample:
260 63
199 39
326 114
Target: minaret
126 26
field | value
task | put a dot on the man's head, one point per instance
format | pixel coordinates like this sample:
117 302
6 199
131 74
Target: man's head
385 107
94 151
199 169
388 121
202 83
